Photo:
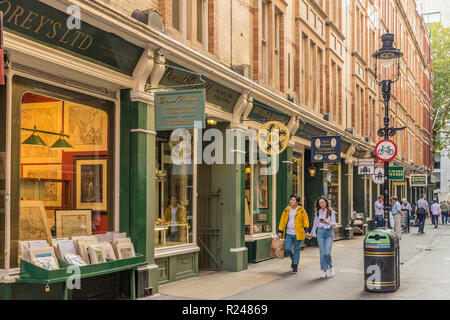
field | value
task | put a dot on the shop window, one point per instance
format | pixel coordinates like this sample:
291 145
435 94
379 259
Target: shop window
258 198
66 178
174 190
331 180
297 175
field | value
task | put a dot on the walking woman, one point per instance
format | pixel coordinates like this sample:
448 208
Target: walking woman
294 224
324 222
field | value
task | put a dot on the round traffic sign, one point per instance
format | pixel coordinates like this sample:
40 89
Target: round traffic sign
386 150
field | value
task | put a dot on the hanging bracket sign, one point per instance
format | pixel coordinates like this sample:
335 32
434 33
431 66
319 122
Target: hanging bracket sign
366 167
326 149
179 109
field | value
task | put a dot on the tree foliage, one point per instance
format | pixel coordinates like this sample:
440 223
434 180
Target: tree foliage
440 43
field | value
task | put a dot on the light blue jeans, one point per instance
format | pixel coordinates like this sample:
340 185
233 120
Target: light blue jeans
289 241
325 240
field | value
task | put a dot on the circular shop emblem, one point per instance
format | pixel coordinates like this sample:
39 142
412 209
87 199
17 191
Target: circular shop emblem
273 137
386 150
267 228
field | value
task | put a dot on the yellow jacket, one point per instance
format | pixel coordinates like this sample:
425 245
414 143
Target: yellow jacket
301 222
180 216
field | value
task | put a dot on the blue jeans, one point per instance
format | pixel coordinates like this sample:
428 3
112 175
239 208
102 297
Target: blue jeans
380 221
325 241
290 241
444 216
421 222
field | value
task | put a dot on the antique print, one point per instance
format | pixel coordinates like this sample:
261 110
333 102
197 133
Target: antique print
73 223
91 184
44 258
263 192
46 116
87 127
33 224
52 195
125 251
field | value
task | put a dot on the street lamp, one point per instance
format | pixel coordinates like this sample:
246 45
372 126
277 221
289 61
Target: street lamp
387 57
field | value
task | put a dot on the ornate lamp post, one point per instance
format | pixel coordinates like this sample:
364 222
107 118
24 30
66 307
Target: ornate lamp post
387 57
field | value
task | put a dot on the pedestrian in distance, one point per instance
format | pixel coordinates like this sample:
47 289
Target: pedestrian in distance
436 212
379 211
421 212
294 224
397 214
444 212
324 222
406 206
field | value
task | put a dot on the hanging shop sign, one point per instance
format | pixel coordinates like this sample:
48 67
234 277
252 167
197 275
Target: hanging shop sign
396 173
326 149
386 150
418 180
307 130
263 113
273 137
179 109
217 95
38 21
366 166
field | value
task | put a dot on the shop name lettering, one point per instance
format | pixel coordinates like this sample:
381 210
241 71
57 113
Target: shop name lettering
219 95
43 26
267 114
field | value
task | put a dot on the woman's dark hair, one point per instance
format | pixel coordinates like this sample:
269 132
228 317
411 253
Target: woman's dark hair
318 206
297 198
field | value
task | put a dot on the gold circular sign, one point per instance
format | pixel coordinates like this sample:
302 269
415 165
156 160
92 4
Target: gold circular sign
272 142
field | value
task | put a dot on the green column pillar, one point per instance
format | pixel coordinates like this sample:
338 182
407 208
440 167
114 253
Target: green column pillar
284 183
345 204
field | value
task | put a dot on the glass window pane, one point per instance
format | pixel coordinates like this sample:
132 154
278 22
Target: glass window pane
66 185
176 23
174 183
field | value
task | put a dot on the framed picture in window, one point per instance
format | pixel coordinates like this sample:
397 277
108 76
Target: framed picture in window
33 223
263 192
91 184
73 223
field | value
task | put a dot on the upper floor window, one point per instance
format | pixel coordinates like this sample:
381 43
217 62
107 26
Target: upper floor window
176 14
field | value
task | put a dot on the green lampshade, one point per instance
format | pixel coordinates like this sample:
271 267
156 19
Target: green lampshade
35 140
61 143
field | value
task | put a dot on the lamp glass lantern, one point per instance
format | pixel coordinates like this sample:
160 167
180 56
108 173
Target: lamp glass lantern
387 55
312 171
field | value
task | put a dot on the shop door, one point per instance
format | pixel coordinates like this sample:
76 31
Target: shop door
209 233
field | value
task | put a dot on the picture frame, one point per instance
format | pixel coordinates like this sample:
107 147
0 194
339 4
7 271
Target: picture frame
33 222
44 258
96 254
51 175
91 184
125 251
71 223
263 192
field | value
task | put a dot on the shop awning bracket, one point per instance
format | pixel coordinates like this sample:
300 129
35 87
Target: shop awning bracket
200 76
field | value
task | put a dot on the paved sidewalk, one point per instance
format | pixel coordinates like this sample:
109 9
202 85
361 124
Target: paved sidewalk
424 259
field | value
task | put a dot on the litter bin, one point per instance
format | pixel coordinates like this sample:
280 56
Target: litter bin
381 261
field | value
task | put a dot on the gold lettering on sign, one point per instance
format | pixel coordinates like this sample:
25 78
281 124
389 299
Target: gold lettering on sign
16 14
78 34
62 40
55 32
5 13
87 42
42 23
28 19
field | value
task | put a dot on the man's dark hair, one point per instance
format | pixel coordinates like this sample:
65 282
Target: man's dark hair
297 198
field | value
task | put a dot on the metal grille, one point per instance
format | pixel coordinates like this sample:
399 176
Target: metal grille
209 235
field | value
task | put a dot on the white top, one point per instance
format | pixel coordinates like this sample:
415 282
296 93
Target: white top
290 229
322 215
174 218
435 209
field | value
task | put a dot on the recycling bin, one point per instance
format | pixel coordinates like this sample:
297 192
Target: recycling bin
381 261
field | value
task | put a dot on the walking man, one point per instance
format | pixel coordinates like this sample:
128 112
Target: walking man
421 212
397 214
436 212
294 224
379 211
444 212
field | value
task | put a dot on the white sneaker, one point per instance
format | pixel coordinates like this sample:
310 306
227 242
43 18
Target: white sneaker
324 274
332 273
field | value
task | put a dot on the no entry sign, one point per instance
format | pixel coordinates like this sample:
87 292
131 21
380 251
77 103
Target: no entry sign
386 150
